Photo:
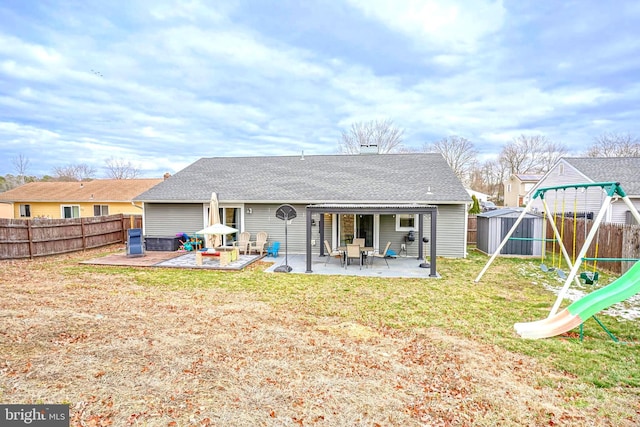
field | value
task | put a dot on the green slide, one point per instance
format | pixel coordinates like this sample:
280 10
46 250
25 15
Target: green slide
578 312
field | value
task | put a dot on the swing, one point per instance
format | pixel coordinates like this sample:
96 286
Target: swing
543 267
561 273
590 277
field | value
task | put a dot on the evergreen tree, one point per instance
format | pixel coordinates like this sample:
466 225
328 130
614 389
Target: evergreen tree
475 207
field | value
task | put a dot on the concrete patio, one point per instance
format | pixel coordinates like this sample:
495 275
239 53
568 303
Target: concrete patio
398 267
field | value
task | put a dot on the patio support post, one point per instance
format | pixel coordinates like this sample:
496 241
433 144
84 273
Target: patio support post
321 229
309 270
434 216
420 233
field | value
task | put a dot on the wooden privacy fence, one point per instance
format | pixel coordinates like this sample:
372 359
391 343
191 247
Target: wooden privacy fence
30 238
611 241
472 230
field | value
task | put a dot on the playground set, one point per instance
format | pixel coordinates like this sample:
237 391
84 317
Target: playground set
581 310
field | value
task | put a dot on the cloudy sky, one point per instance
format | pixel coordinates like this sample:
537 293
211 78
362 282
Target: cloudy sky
162 83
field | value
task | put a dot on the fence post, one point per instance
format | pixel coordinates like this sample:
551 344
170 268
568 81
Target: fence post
30 237
123 227
84 238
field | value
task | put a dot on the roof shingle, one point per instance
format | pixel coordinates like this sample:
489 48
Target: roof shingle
625 170
406 178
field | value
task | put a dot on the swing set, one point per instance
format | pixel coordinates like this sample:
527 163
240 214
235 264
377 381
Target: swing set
607 190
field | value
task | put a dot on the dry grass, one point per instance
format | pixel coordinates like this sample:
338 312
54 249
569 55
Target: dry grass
122 354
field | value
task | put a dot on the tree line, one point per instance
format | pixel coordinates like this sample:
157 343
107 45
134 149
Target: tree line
524 154
114 169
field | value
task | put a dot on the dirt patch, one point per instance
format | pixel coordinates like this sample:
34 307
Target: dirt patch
122 354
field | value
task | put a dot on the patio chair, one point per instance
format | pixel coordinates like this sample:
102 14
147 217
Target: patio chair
272 249
358 241
382 255
353 251
259 244
243 241
332 253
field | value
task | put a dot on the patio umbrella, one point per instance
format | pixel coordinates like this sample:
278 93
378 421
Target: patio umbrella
217 230
214 218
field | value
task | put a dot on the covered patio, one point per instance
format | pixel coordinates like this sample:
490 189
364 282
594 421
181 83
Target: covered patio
407 267
372 209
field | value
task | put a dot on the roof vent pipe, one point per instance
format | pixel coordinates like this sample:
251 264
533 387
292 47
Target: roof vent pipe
302 158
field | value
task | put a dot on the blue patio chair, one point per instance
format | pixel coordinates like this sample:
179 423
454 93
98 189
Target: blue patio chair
272 249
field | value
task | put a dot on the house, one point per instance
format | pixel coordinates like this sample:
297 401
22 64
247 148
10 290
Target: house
516 188
482 197
76 199
6 210
379 197
580 170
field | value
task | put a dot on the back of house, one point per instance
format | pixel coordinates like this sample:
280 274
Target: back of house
250 190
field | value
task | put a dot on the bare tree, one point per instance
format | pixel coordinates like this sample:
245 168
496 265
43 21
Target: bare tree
488 178
74 172
21 165
531 154
550 154
121 169
382 134
459 153
614 145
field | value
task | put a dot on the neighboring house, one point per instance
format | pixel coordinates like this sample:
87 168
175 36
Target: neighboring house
6 210
482 197
356 195
581 170
76 199
517 186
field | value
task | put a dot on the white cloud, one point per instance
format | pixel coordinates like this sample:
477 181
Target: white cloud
457 25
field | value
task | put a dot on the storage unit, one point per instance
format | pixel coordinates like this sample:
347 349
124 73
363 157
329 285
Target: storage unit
493 226
162 243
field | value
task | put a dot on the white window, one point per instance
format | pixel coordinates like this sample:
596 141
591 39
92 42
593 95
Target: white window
70 211
100 210
561 169
25 211
508 188
406 222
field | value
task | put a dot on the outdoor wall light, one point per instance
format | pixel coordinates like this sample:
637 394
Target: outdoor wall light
249 210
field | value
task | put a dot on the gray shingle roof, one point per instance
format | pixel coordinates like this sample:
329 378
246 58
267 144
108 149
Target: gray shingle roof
523 177
383 178
625 170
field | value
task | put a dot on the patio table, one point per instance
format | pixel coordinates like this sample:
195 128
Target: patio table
364 250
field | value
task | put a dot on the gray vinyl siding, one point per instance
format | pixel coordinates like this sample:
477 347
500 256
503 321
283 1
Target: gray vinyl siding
263 218
388 233
452 231
619 211
168 219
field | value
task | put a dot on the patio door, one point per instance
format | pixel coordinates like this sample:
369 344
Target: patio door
356 226
230 217
364 228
